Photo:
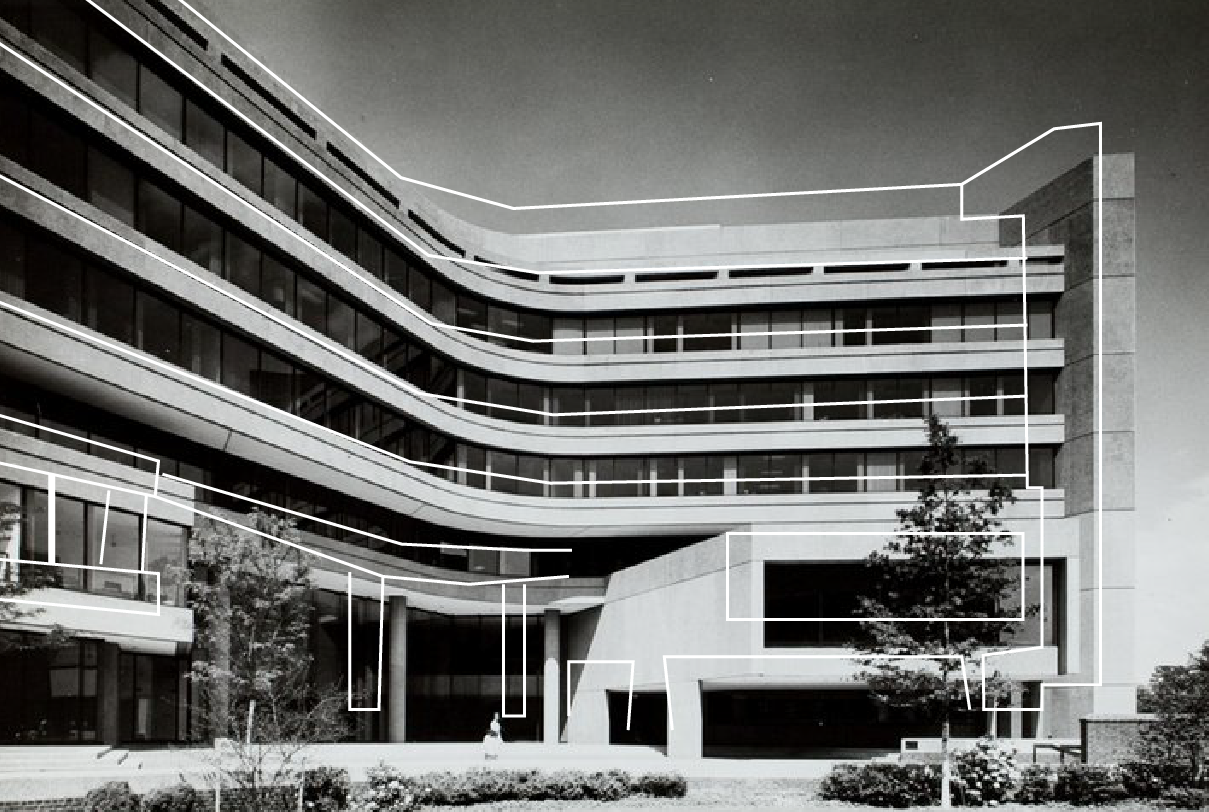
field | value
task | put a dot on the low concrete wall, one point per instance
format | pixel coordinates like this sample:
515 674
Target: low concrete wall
1112 739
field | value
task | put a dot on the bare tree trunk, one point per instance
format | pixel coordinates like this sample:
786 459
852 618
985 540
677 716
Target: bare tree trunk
946 769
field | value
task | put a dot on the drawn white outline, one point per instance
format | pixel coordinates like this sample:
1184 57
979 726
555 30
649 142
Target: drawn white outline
1018 537
524 653
585 663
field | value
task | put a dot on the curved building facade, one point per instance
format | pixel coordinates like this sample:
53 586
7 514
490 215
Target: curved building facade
544 474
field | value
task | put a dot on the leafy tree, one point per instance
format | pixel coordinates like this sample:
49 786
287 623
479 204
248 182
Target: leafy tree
1178 695
16 582
920 575
250 595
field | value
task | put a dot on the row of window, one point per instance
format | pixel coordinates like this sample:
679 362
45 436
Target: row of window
91 45
95 534
832 589
849 398
59 280
51 414
791 328
44 273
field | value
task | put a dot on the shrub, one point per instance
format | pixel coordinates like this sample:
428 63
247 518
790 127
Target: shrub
1036 785
986 772
607 786
325 789
114 796
1089 785
1145 779
883 784
386 791
660 785
179 798
564 785
1186 798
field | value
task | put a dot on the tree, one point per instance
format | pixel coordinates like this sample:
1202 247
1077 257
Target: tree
16 582
1178 695
925 573
250 595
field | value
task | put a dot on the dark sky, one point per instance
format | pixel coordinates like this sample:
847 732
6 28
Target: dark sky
542 102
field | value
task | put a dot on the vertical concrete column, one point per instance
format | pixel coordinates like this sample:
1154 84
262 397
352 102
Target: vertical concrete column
1016 725
396 692
684 739
551 676
108 694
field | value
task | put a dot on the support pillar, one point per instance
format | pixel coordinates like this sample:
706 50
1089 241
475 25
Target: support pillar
108 694
685 739
551 676
396 694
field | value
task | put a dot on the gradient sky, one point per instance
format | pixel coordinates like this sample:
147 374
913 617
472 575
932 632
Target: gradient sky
536 101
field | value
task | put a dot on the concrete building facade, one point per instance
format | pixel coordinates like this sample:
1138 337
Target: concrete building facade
211 299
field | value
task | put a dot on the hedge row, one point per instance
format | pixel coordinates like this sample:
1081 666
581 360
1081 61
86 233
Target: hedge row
903 785
390 791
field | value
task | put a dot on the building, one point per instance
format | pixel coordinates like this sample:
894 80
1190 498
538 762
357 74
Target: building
199 273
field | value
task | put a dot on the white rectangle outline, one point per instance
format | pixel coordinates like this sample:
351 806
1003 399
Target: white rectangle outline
1018 535
381 644
89 568
524 653
629 707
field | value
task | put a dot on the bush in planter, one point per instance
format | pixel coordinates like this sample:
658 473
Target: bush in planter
178 798
1089 785
325 789
660 785
114 796
884 784
986 773
1036 785
1186 798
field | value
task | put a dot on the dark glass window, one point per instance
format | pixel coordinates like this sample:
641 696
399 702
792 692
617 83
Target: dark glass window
243 162
846 396
343 234
847 465
884 320
60 28
239 362
707 323
369 252
369 337
631 476
54 280
532 468
277 284
983 386
280 188
201 347
946 319
1013 391
1041 467
57 154
110 186
160 216
598 334
204 134
503 463
703 468
243 264
202 240
472 312
768 467
69 541
602 402
312 211
312 305
530 396
161 103
918 316
978 314
1041 393
569 399
783 322
274 383
113 67
667 328
159 328
341 326
110 305
854 320
1009 312
1040 318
